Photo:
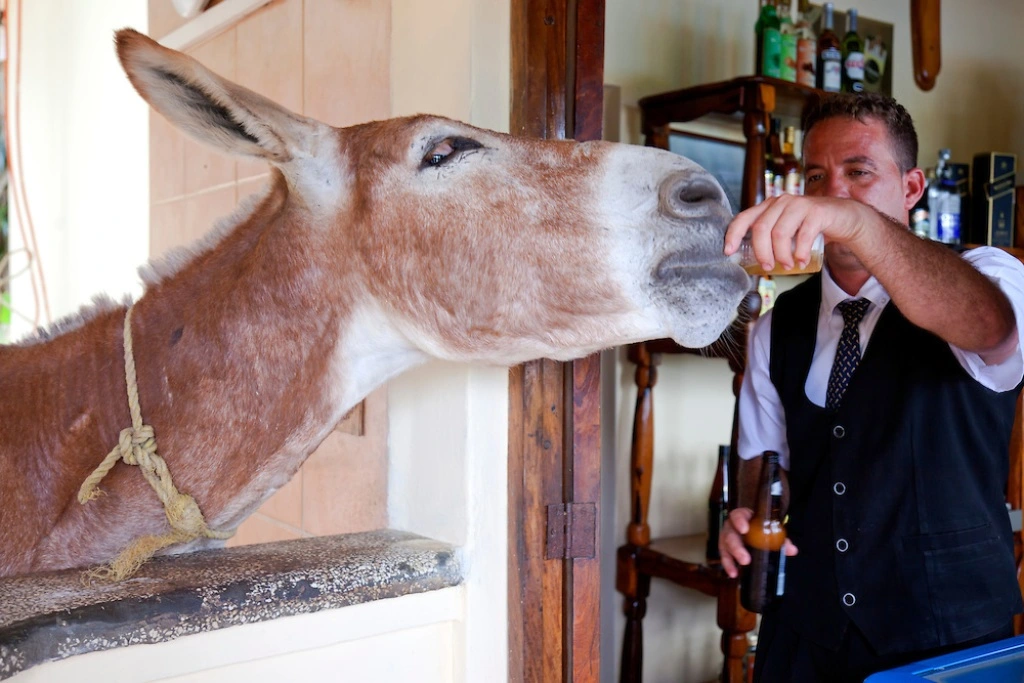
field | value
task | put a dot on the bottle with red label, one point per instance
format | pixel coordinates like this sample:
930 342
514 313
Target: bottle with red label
830 55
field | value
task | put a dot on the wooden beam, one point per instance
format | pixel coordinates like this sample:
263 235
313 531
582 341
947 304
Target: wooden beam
554 408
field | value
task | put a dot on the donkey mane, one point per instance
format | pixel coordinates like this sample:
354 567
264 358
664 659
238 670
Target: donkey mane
174 260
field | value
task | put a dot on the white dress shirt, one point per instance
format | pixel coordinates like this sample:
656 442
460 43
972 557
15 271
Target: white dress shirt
762 420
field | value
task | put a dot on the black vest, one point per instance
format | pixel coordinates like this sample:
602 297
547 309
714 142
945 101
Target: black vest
898 497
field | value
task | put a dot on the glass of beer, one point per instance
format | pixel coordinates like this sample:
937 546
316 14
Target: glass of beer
745 257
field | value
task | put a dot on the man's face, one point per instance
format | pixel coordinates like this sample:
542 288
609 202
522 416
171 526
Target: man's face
844 157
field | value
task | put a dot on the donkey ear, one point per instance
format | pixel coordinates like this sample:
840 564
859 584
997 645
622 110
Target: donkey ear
210 108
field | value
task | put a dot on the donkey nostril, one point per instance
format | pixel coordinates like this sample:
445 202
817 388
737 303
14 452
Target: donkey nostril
698 192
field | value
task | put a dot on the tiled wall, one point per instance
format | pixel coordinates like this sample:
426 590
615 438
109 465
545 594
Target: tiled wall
328 59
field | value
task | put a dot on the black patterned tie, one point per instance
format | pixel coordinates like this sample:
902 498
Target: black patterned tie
848 351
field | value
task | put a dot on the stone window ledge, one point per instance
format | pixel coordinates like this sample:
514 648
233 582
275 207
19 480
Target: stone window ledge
50 616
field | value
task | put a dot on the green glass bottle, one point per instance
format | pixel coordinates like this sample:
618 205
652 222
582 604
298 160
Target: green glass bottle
769 41
853 56
787 41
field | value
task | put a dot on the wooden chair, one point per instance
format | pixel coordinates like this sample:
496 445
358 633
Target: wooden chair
681 560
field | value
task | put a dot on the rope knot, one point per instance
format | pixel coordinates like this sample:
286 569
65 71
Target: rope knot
136 445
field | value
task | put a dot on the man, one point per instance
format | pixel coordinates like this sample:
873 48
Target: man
900 544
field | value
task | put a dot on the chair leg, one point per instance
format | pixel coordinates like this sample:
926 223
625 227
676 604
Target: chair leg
734 647
633 641
735 623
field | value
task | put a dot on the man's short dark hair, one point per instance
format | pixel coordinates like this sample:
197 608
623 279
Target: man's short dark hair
865 106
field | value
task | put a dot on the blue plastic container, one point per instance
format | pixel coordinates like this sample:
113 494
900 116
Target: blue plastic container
998 662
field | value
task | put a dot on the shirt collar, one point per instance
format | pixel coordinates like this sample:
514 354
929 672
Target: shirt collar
832 294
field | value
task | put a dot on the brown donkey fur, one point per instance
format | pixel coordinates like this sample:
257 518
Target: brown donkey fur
374 249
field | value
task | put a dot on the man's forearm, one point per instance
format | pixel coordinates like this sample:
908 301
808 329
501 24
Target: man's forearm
939 291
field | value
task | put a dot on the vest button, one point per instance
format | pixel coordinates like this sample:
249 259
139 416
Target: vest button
842 546
839 487
849 599
839 431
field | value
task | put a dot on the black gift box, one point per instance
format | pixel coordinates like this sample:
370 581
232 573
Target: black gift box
993 198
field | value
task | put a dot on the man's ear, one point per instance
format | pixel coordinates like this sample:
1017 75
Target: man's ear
914 185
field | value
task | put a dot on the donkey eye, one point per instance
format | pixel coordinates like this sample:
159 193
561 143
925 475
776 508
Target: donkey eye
447 149
441 151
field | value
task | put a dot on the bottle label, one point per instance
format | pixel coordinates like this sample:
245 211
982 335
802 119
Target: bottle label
806 51
771 58
766 288
793 185
787 59
874 67
831 70
949 227
855 66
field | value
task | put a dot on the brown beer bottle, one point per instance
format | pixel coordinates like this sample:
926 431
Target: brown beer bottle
762 582
775 175
718 503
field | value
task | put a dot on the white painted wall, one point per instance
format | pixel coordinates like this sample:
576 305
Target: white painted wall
655 46
85 154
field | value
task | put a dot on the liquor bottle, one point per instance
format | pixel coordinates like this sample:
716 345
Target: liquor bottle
769 40
718 502
774 180
830 55
806 47
853 56
798 152
876 53
775 161
792 170
919 221
763 581
787 41
944 203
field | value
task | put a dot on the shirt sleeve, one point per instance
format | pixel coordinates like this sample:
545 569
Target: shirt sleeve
762 422
1008 274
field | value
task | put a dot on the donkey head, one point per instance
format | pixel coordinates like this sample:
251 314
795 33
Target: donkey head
466 244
